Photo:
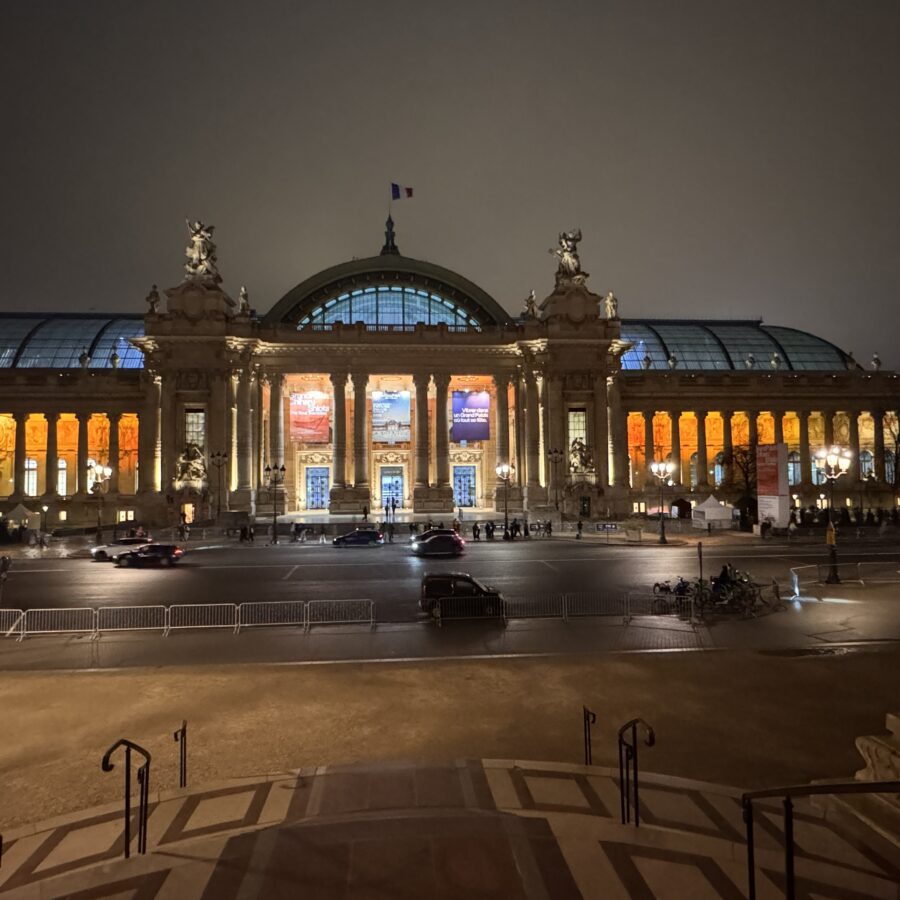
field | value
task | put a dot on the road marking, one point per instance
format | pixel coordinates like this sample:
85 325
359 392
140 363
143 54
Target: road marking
287 575
547 564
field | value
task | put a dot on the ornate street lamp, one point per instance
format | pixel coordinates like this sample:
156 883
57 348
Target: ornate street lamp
218 459
44 509
504 473
832 462
100 476
663 469
274 477
556 457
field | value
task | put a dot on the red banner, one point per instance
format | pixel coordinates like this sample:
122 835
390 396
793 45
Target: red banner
311 417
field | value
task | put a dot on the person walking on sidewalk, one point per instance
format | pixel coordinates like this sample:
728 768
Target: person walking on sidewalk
579 528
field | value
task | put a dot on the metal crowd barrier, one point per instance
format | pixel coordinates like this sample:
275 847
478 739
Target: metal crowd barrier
281 612
132 618
80 620
592 604
847 571
339 612
12 622
549 606
204 615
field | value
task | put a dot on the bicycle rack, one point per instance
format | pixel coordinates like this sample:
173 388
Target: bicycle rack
628 768
143 778
590 718
180 737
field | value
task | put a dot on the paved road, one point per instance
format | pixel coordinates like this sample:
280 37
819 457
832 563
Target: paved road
390 575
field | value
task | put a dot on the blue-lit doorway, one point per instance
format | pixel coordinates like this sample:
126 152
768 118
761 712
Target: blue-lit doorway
317 487
464 485
392 486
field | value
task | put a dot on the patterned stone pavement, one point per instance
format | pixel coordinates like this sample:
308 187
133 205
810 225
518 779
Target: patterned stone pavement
481 829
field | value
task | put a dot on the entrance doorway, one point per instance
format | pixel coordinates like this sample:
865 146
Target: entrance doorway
392 486
464 485
317 487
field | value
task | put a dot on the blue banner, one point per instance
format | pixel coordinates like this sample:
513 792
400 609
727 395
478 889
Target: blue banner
390 417
471 416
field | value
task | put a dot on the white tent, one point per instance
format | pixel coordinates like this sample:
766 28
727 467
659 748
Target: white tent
712 513
19 515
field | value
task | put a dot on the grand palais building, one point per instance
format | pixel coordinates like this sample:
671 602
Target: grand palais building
389 381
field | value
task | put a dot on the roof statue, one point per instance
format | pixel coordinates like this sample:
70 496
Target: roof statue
201 254
243 302
569 269
876 361
531 311
153 300
390 247
611 306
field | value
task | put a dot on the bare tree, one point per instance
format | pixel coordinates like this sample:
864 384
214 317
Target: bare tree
742 461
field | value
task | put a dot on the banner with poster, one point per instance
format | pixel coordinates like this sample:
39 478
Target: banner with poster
471 420
311 417
772 491
390 417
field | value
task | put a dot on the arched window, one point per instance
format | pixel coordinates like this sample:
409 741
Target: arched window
719 469
795 472
30 477
62 473
866 464
890 470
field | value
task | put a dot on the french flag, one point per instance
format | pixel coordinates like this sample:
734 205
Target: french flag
399 193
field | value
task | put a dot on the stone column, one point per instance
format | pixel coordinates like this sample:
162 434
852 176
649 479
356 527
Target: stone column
601 431
260 448
675 417
168 451
557 473
360 429
618 424
148 438
753 429
245 431
441 433
778 417
828 416
19 463
276 418
501 418
339 429
421 380
728 446
82 462
806 475
878 428
853 471
114 451
231 434
532 433
217 419
702 461
51 470
519 427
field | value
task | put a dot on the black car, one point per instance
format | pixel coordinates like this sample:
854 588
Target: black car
425 535
458 594
151 555
440 545
359 537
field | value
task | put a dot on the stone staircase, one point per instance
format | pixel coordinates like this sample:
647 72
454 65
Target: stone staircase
470 828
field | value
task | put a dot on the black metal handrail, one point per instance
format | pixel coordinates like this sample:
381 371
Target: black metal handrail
143 778
180 737
628 768
590 718
787 794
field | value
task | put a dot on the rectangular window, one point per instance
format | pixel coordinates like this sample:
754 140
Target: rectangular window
195 428
577 425
126 515
63 515
31 483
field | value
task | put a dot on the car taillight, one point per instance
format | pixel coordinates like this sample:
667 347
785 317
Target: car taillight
178 552
379 534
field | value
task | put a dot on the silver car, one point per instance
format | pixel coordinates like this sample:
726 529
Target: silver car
111 551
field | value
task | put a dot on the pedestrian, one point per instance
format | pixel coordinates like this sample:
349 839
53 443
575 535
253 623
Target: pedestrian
526 530
242 534
455 525
390 531
365 512
548 528
322 534
293 532
387 510
579 528
251 533
412 528
393 508
476 532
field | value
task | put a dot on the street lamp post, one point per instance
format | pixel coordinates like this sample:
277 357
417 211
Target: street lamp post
663 470
832 462
218 459
44 509
504 473
100 476
556 457
275 477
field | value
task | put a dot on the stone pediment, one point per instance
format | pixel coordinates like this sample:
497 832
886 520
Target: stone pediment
571 303
198 300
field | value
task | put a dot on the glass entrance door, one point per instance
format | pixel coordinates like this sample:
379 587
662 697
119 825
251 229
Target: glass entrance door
392 486
464 485
317 487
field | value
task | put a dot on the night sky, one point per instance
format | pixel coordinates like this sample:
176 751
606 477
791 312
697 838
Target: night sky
723 158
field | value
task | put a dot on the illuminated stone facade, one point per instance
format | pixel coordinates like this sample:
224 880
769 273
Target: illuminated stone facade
202 379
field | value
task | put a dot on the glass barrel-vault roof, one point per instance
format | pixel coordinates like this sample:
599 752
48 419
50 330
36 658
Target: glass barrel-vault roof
723 345
57 341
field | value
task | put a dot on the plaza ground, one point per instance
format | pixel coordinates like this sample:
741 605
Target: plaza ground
745 718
